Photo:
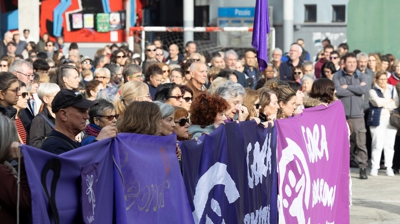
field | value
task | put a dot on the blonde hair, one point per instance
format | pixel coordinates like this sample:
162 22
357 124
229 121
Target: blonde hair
216 83
250 97
378 63
129 92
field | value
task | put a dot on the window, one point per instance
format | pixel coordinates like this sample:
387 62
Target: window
310 14
339 13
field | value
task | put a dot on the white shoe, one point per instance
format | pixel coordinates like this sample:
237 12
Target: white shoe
374 172
389 172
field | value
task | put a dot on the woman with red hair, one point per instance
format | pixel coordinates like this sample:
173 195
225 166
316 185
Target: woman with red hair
207 113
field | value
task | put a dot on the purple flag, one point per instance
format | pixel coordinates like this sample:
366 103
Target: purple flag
230 175
260 33
313 164
148 182
56 184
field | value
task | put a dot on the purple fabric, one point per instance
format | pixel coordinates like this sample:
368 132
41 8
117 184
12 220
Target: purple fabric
313 164
148 181
261 29
68 187
89 178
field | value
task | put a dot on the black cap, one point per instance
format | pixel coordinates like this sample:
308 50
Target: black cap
66 98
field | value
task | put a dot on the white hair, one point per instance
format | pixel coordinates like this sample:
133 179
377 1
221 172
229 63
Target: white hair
278 50
230 89
17 65
102 70
231 52
362 55
300 48
47 89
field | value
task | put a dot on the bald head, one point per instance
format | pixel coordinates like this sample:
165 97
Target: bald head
173 50
8 37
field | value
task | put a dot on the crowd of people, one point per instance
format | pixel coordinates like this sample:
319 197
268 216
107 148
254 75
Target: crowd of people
54 98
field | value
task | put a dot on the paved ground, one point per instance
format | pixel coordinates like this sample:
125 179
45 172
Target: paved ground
376 200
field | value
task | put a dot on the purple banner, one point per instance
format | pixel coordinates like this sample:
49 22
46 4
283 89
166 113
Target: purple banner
148 182
313 164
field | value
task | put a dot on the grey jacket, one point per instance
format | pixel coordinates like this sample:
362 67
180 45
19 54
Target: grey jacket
352 96
370 78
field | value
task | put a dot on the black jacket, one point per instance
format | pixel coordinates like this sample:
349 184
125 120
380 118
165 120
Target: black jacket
241 78
9 112
40 128
255 79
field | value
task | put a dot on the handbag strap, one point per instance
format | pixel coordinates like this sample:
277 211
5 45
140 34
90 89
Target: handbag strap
47 120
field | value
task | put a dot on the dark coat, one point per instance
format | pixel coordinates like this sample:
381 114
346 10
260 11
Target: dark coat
241 78
40 128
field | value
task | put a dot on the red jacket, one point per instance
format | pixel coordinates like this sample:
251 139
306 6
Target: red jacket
318 67
9 192
393 79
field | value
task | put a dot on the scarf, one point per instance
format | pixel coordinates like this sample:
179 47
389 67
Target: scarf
92 129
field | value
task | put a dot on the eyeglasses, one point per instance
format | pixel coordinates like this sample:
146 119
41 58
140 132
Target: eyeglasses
119 56
109 117
334 58
27 75
182 122
297 73
148 50
137 76
187 72
100 77
164 71
87 62
24 94
196 59
49 45
160 54
15 90
176 97
187 99
3 66
257 105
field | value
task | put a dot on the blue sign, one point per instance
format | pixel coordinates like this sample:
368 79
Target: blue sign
236 12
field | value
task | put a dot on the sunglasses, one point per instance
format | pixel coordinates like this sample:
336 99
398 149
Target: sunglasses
99 77
67 61
109 117
297 73
187 72
164 71
187 99
49 45
334 58
182 122
257 105
24 94
196 59
3 66
123 56
160 54
176 97
151 50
